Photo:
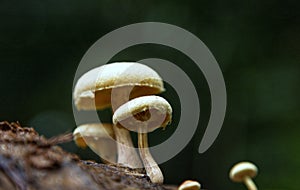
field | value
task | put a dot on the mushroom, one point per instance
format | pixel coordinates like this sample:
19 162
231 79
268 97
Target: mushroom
190 185
143 115
243 172
94 88
99 137
113 85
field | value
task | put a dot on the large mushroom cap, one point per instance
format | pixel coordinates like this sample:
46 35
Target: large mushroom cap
241 170
92 131
93 89
153 110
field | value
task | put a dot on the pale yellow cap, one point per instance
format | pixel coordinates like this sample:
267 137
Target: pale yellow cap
190 185
94 130
93 89
129 115
239 171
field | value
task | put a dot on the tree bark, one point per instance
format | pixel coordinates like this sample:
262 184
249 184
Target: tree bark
29 161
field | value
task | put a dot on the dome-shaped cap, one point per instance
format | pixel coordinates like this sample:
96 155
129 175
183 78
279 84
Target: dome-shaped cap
190 185
93 89
241 170
92 130
153 110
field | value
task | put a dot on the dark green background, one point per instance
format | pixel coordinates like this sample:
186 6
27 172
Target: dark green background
256 44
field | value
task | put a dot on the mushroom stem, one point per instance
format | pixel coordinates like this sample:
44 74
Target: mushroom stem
249 183
151 167
127 155
143 115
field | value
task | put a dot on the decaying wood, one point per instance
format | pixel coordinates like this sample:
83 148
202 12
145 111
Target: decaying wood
30 161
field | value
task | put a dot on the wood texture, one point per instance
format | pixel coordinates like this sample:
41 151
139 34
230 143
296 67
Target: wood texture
28 161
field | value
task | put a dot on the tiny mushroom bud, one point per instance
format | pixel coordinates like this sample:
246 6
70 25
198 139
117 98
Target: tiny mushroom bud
112 85
243 172
142 115
100 138
190 185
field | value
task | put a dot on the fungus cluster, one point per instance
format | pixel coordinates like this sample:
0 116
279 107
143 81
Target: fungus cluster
129 89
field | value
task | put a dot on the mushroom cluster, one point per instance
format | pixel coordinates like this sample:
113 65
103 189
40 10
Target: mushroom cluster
128 88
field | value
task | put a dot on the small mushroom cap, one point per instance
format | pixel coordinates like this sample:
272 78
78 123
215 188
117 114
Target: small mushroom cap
239 171
93 89
155 111
190 185
92 130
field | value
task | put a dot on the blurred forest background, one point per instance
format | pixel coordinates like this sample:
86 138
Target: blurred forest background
256 44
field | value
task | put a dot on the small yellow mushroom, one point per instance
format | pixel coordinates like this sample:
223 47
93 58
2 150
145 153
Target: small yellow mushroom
190 185
243 172
100 138
143 115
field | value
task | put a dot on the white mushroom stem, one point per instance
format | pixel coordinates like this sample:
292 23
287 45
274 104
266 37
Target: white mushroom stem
249 183
151 167
127 155
142 115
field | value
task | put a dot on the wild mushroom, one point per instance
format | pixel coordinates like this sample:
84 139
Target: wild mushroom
100 138
94 88
143 115
190 185
113 85
243 172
